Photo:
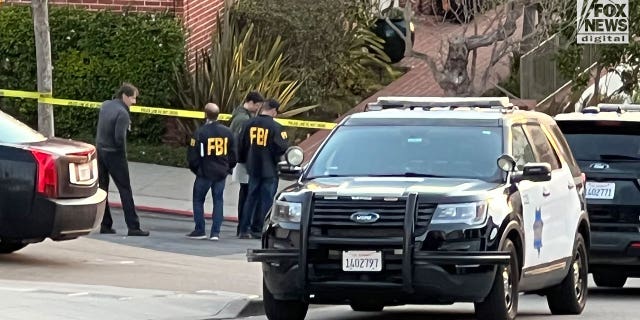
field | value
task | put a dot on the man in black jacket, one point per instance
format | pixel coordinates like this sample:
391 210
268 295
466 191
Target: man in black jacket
239 117
111 143
211 156
262 144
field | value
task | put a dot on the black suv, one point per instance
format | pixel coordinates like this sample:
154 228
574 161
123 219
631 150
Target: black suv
606 142
430 201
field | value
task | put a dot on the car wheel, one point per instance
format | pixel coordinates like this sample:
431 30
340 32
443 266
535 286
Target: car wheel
283 309
608 279
9 247
502 301
367 307
570 296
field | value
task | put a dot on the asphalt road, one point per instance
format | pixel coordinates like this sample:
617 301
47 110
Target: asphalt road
609 304
167 260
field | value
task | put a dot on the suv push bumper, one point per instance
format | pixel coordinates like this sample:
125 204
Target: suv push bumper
427 277
614 248
419 277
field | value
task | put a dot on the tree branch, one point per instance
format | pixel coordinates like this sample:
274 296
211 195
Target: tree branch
507 29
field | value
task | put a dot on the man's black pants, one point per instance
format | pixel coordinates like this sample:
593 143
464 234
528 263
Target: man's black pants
242 198
114 163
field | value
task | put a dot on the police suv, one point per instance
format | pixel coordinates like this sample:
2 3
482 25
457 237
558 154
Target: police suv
430 201
605 141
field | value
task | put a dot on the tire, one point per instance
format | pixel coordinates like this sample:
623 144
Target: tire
609 280
283 309
570 296
498 305
9 247
367 307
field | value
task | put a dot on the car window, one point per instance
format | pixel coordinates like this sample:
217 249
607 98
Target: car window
565 150
542 146
448 151
14 131
603 140
521 148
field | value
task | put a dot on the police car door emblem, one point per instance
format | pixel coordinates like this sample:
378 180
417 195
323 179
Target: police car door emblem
365 217
599 165
537 230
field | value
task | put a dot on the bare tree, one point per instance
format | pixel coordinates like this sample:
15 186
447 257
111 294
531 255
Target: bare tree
43 56
453 70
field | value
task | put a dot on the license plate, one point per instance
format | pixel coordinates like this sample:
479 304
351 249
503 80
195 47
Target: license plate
600 190
362 261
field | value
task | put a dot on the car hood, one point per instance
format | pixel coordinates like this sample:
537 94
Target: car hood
394 187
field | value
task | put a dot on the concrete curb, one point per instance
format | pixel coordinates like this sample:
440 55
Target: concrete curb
242 309
184 213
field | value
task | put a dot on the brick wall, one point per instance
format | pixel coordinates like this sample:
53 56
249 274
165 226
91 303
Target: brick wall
198 15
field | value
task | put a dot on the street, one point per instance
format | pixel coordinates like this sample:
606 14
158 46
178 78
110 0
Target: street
615 304
168 276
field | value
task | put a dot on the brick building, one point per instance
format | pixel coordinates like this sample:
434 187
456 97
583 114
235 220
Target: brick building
198 16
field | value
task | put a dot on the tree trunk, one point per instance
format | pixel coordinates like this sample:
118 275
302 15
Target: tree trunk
456 80
529 27
43 60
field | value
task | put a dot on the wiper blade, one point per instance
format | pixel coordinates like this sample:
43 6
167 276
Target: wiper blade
327 176
408 174
617 157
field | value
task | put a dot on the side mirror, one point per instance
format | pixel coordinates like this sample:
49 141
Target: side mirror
536 172
290 168
506 163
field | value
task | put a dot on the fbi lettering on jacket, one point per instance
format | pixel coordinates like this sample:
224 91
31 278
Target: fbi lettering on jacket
217 146
259 135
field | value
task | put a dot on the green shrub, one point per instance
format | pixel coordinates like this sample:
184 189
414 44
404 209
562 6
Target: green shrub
92 54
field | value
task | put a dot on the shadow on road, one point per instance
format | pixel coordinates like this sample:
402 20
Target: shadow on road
168 234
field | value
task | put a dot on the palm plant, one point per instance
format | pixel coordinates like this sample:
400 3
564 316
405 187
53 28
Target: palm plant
235 65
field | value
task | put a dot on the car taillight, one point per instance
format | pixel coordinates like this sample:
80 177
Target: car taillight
47 176
635 245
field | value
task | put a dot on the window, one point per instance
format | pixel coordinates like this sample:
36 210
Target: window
397 150
543 146
521 148
565 150
603 140
14 131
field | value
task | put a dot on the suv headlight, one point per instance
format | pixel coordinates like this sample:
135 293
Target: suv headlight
471 213
286 211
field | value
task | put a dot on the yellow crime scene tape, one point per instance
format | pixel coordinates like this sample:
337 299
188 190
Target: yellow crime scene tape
46 98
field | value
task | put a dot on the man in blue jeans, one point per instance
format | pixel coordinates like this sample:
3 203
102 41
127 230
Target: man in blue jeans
211 156
262 143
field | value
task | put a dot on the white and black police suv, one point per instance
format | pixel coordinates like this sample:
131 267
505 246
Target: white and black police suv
430 201
605 141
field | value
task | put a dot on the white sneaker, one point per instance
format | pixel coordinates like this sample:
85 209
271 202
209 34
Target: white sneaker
214 238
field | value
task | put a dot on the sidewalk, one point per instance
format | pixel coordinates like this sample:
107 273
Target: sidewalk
163 189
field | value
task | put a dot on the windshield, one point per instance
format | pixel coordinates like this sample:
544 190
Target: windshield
603 141
12 131
441 151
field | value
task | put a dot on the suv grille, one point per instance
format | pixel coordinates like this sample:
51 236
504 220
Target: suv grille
334 217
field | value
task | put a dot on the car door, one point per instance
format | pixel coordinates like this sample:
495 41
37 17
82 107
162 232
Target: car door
549 224
532 198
